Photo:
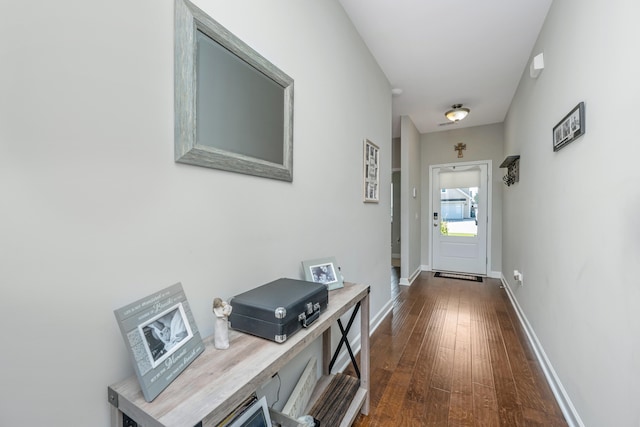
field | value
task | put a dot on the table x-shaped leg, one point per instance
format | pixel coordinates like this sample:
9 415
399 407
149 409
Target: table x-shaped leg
345 341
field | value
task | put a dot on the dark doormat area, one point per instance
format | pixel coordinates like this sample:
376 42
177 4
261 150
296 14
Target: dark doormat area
458 276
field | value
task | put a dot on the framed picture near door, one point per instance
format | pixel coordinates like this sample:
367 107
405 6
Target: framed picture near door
371 169
570 128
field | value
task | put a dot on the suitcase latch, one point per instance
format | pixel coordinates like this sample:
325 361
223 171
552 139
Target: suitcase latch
311 315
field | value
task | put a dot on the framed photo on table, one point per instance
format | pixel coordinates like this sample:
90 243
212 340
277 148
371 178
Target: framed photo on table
161 336
371 169
325 271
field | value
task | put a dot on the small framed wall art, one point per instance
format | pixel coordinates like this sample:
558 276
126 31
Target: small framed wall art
161 336
570 128
323 270
371 172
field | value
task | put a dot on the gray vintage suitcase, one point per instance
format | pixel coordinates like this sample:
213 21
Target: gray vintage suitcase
279 309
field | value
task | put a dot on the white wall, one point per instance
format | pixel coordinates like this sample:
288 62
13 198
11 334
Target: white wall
410 206
483 143
94 212
570 225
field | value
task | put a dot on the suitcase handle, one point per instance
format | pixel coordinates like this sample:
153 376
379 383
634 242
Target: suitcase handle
307 321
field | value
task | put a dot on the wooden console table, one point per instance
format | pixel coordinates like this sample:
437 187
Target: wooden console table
219 380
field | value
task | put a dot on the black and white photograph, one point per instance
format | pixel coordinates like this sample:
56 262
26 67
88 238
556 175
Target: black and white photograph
161 336
371 173
570 128
323 270
165 333
323 273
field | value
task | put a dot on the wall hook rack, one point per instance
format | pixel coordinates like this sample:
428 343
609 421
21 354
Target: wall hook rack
512 163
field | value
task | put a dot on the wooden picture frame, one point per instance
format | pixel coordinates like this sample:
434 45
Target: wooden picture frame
161 336
570 128
325 271
233 107
371 170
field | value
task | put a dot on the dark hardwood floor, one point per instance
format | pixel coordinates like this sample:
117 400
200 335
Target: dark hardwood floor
453 353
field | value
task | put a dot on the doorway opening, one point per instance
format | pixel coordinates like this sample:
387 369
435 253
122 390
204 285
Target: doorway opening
460 197
395 229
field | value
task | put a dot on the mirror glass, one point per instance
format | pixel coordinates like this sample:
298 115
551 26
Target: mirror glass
234 109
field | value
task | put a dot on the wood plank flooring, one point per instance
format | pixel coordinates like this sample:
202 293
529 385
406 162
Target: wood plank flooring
453 353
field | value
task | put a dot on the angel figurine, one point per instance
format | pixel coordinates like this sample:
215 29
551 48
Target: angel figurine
222 310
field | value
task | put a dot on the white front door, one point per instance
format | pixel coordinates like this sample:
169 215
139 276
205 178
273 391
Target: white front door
459 217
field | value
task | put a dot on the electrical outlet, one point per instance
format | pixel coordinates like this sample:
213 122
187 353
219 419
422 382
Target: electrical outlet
517 276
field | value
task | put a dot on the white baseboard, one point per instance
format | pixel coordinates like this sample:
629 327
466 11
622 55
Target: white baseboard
395 256
566 406
377 320
407 282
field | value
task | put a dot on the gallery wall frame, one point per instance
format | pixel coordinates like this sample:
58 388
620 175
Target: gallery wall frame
233 107
371 171
570 128
161 336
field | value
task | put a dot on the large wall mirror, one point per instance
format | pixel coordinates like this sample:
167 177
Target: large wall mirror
233 108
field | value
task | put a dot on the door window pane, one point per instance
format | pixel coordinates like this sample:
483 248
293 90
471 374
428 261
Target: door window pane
459 211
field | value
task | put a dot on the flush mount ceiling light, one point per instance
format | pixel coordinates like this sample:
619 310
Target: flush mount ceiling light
457 113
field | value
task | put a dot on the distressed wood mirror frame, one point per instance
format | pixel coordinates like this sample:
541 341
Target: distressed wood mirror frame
190 24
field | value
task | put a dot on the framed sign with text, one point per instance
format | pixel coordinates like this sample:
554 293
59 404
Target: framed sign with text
161 336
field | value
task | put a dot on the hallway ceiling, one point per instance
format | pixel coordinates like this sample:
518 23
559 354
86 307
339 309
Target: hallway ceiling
442 53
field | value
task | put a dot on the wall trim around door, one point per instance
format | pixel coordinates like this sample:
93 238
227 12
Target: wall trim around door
489 164
495 274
